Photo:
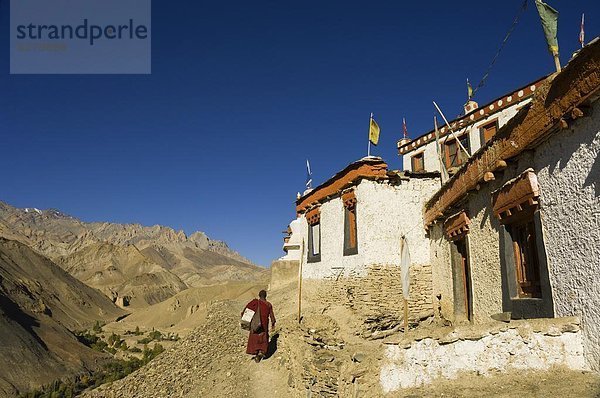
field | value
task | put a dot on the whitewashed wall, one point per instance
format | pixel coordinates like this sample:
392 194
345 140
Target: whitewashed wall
569 176
441 271
293 246
384 212
522 346
568 171
484 260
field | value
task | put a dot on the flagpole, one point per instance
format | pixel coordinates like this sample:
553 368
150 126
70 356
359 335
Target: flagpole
557 62
582 31
369 136
405 316
308 175
443 171
451 131
300 282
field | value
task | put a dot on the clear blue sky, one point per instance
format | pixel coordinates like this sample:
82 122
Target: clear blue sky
241 93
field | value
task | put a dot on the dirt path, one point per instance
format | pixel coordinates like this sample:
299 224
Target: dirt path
268 380
233 373
316 359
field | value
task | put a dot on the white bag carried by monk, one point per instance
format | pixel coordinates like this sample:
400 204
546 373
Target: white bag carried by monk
247 316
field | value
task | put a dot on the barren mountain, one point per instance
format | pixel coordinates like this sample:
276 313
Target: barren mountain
142 264
122 270
40 306
56 234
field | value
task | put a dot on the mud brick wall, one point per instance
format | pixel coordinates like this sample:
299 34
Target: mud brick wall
284 272
377 297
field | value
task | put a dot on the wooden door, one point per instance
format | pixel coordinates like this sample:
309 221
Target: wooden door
461 246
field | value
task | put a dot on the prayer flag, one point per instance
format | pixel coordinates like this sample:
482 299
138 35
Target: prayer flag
374 132
549 17
582 31
405 266
469 89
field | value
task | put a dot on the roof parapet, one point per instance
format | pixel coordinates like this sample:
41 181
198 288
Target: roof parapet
476 114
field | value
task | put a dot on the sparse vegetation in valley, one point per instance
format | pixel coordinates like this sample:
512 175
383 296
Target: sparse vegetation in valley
97 340
156 335
111 371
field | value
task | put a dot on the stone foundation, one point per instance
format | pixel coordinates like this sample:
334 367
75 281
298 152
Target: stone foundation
521 345
377 297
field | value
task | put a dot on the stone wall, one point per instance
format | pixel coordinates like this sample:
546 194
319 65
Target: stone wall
376 298
537 345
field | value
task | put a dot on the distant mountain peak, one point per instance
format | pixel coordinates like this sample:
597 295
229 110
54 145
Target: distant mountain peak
130 233
146 263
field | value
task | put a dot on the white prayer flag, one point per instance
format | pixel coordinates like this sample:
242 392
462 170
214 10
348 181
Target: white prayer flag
405 266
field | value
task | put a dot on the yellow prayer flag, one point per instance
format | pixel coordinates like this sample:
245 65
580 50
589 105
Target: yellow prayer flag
374 132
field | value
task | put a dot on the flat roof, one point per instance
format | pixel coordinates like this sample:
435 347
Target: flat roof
514 97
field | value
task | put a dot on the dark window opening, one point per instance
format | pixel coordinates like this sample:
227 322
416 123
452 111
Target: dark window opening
527 265
488 131
314 242
350 231
455 156
418 162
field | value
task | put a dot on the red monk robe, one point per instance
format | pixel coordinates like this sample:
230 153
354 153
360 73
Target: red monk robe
260 341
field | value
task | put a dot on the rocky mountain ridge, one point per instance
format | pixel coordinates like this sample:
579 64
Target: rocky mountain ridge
132 264
55 233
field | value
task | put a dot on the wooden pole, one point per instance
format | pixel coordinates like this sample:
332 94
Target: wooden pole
369 136
557 62
300 282
405 316
438 148
452 131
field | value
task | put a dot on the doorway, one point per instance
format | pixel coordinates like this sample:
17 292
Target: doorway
463 299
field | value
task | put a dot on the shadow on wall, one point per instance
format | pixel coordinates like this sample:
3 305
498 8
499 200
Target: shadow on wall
570 143
593 177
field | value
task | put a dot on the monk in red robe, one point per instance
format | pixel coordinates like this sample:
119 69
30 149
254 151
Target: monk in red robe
258 343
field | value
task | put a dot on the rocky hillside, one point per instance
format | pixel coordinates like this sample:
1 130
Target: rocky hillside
40 306
323 356
139 264
209 362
